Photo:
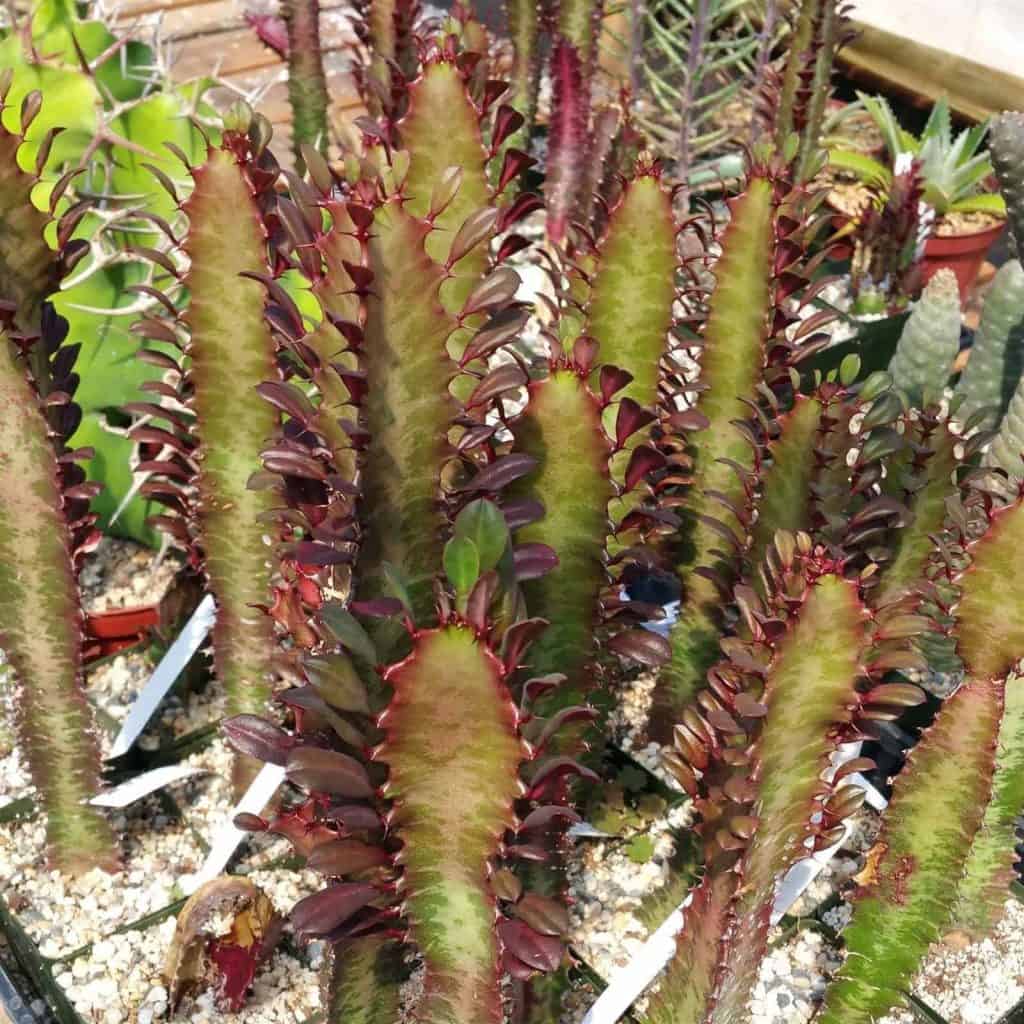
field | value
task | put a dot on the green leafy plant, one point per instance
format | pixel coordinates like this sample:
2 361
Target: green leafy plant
953 167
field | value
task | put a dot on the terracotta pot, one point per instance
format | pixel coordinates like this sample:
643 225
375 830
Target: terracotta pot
114 630
963 254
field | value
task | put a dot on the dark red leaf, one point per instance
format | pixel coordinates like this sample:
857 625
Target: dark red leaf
520 511
541 952
519 637
506 377
643 646
612 381
258 738
501 472
547 816
328 771
543 915
345 856
631 417
643 461
533 560
322 912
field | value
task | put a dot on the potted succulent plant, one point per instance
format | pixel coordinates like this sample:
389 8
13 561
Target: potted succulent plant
953 171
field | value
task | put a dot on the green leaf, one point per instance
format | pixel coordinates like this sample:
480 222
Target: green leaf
482 522
461 566
869 170
640 849
987 202
347 629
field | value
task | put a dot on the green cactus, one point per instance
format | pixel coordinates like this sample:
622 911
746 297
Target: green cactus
1006 142
44 526
929 342
996 361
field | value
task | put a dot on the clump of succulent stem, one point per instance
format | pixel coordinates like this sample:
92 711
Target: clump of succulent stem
45 524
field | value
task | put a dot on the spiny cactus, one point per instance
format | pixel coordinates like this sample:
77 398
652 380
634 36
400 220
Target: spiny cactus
1006 143
45 525
743 348
996 360
752 753
930 340
307 83
947 790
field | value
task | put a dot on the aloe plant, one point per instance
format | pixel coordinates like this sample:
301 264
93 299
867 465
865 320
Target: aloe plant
953 169
45 524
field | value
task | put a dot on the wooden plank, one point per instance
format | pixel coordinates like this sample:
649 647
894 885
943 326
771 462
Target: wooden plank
974 90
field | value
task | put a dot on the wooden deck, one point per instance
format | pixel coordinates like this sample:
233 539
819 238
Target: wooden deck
211 37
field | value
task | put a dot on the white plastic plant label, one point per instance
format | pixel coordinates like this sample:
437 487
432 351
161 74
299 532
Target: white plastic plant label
142 785
630 981
171 665
628 984
227 837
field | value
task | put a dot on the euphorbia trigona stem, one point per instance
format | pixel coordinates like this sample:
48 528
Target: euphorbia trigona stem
307 84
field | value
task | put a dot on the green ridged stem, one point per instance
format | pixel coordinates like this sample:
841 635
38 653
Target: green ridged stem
439 97
1007 449
408 407
1006 145
307 83
231 351
808 688
40 630
453 755
925 492
362 981
821 89
990 634
524 79
996 361
731 364
786 482
578 22
930 341
798 46
809 683
936 808
990 866
562 430
629 311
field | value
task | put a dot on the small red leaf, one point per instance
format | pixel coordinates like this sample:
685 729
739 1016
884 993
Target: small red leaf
643 646
258 738
501 472
541 952
533 560
346 856
328 771
322 912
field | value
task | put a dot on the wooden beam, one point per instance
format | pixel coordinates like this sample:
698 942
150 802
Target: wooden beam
975 91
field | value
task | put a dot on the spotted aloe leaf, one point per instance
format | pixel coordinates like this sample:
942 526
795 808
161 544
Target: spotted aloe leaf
996 361
231 352
40 627
776 709
990 867
452 724
732 362
908 887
